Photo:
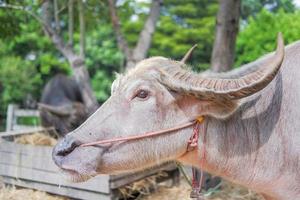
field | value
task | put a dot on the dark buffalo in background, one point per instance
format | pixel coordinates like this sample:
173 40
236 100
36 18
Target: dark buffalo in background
61 105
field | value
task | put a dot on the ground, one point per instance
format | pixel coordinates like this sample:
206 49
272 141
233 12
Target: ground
148 187
162 192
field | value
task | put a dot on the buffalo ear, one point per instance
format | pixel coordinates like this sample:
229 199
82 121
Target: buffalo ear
62 111
218 108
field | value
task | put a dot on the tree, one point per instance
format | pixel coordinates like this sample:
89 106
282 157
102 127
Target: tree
76 61
14 72
257 38
227 26
253 7
143 44
183 25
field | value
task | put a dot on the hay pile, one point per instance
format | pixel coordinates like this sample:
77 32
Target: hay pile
228 191
231 191
142 187
162 192
12 193
42 139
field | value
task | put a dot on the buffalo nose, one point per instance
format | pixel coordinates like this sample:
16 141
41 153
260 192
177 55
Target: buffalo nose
64 147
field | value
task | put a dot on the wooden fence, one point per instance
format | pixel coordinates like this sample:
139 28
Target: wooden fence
13 113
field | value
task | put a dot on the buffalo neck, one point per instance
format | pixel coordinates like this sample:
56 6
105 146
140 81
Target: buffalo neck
239 147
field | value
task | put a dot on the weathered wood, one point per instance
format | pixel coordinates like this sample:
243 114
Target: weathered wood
97 184
26 113
59 190
20 160
32 167
23 131
25 149
29 161
35 163
13 113
17 127
10 116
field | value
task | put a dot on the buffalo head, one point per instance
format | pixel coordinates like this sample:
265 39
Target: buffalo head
158 93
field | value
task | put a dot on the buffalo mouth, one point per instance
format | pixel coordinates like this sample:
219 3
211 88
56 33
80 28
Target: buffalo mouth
80 164
75 176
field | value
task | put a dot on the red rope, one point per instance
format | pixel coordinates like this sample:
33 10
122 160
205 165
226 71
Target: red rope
193 142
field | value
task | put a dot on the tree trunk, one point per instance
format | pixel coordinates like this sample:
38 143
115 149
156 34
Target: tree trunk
122 43
56 16
145 38
76 61
46 10
82 28
70 21
227 26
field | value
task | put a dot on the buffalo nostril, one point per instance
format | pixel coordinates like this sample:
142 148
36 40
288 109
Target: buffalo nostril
66 146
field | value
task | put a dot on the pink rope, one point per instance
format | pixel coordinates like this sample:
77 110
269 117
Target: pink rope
141 136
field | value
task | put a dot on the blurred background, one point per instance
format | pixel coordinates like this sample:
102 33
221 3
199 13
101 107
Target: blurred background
29 59
72 48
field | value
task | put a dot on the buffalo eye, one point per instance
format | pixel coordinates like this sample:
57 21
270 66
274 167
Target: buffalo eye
142 94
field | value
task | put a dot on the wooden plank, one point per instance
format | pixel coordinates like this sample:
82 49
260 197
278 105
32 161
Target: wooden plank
97 184
46 164
26 113
29 161
29 156
24 130
20 158
62 190
39 158
10 116
25 148
17 127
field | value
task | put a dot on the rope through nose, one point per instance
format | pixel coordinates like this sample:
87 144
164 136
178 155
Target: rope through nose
141 136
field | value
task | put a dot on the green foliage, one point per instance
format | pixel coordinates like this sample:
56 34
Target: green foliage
29 121
181 26
101 83
102 59
259 36
132 15
28 56
253 7
18 79
9 24
102 52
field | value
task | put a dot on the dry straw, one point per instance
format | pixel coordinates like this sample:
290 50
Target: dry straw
42 139
228 191
12 193
142 187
